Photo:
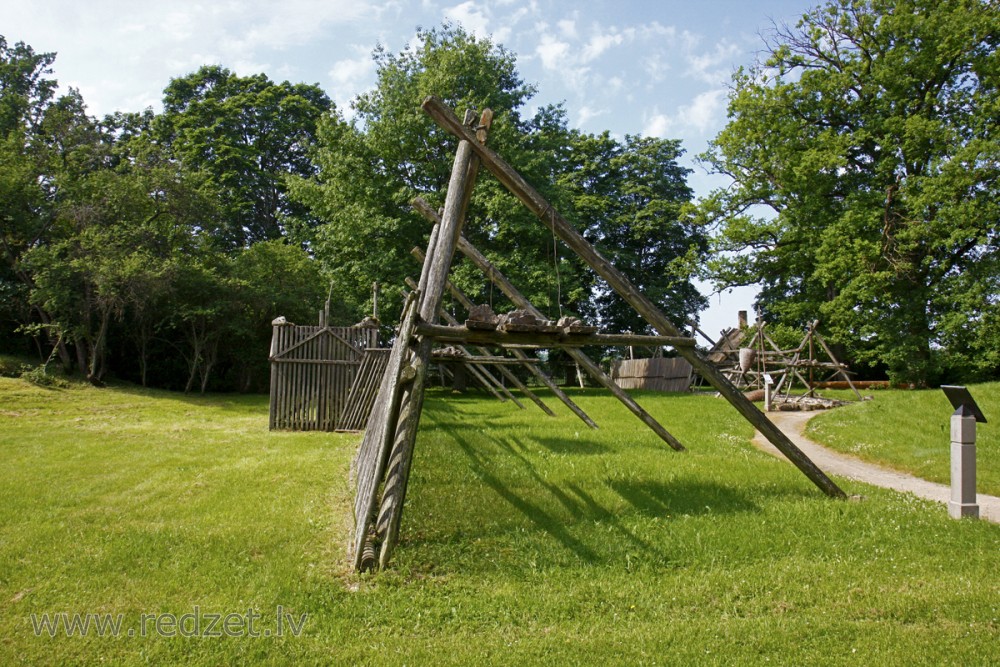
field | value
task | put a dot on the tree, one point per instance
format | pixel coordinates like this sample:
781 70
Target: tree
870 133
370 169
25 94
630 195
247 134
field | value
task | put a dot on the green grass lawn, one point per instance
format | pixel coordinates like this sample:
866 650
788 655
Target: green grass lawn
526 540
910 431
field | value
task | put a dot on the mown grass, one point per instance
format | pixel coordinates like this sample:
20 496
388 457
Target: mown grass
526 540
910 431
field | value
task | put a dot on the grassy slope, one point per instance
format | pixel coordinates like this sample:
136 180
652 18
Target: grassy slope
910 430
525 540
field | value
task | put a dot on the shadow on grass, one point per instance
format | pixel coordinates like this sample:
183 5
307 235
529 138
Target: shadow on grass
534 512
547 505
571 446
686 497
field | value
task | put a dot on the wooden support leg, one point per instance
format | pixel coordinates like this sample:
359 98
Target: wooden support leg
436 268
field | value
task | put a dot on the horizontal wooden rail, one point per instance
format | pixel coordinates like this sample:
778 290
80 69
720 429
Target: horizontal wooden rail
541 339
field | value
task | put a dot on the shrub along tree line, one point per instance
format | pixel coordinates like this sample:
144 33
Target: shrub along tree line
157 247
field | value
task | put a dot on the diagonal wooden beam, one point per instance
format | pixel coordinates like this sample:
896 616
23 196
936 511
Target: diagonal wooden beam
538 205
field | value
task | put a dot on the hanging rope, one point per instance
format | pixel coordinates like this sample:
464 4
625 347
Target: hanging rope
491 287
555 259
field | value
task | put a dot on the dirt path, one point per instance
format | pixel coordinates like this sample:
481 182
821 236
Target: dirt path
793 425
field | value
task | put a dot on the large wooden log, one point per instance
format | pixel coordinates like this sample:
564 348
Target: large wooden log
537 204
373 452
437 267
486 358
541 339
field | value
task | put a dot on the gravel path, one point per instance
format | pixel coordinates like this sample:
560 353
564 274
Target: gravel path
793 425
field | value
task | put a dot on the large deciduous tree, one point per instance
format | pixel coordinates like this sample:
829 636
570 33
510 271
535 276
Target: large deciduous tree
630 195
624 196
247 134
870 131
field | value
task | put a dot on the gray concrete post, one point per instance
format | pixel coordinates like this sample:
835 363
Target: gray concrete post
963 466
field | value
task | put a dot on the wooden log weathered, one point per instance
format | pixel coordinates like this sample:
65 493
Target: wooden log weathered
484 313
542 339
437 265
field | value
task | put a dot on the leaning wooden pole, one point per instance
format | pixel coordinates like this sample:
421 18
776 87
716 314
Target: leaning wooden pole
537 204
433 276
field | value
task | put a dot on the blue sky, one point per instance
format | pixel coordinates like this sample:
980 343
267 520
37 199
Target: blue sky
651 68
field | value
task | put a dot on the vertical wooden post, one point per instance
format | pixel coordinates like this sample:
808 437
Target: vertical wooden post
436 268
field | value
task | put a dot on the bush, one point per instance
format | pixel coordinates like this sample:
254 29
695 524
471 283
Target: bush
40 376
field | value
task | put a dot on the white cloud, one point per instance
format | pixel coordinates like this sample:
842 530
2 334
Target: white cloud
567 28
601 42
703 111
555 54
586 114
655 66
699 117
657 125
350 77
714 67
470 17
144 45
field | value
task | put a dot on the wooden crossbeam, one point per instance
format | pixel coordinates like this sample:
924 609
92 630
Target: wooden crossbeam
482 375
542 339
530 363
519 300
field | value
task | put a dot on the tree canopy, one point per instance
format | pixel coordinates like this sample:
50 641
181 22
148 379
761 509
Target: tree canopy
158 246
625 196
869 132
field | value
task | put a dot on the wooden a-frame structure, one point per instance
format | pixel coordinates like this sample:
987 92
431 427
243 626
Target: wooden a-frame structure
381 467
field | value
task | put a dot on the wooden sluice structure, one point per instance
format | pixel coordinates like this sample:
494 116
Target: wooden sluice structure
385 455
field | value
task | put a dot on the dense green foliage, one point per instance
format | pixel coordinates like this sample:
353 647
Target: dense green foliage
568 546
159 246
624 195
119 247
870 132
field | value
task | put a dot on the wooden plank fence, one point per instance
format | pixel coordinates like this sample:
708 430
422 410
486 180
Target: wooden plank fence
657 374
313 369
364 389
